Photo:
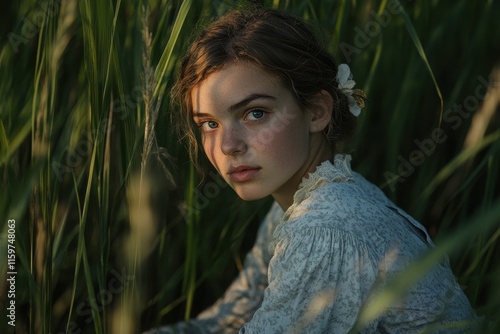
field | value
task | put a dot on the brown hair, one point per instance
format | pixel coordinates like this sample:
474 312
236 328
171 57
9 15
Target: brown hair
275 41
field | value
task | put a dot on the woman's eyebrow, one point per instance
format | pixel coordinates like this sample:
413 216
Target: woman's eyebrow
249 99
238 105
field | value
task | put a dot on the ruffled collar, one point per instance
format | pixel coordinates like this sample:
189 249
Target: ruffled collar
339 171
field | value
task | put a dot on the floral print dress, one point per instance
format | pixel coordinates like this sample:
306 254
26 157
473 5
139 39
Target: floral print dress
332 255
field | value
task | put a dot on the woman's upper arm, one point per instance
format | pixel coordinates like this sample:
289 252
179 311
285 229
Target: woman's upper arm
317 277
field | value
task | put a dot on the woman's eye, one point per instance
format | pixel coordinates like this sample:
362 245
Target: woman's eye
255 115
208 126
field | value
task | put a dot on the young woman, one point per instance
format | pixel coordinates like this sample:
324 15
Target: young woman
273 109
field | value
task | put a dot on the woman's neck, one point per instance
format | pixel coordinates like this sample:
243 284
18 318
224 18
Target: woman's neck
320 152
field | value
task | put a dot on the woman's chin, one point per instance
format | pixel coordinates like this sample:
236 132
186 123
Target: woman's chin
250 195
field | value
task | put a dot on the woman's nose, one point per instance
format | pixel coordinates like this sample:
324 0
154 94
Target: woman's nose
232 141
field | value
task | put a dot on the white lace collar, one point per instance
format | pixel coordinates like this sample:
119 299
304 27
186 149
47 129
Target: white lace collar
339 171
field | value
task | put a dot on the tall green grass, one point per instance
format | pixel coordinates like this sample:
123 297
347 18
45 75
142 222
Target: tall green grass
114 232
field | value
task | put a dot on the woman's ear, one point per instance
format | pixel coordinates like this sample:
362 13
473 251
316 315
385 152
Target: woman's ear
320 111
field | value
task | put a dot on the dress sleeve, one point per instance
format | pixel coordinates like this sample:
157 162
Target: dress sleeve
317 276
245 294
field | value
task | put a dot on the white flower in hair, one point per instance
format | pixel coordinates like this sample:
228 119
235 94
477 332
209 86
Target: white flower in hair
355 97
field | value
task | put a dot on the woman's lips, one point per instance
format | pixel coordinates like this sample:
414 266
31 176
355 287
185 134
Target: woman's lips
243 173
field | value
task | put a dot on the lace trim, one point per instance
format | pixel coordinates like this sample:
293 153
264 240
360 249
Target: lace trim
340 171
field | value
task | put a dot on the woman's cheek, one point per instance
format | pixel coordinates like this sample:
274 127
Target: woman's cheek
209 149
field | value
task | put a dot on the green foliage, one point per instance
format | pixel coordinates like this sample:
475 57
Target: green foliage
115 233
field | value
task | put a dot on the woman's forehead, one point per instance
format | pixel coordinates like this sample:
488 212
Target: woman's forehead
232 84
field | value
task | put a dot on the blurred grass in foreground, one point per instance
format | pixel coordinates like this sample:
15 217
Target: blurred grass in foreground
113 233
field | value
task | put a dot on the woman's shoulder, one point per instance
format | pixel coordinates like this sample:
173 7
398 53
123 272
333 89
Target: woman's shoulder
337 180
355 208
350 201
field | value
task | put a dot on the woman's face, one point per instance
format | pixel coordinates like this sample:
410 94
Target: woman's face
253 131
